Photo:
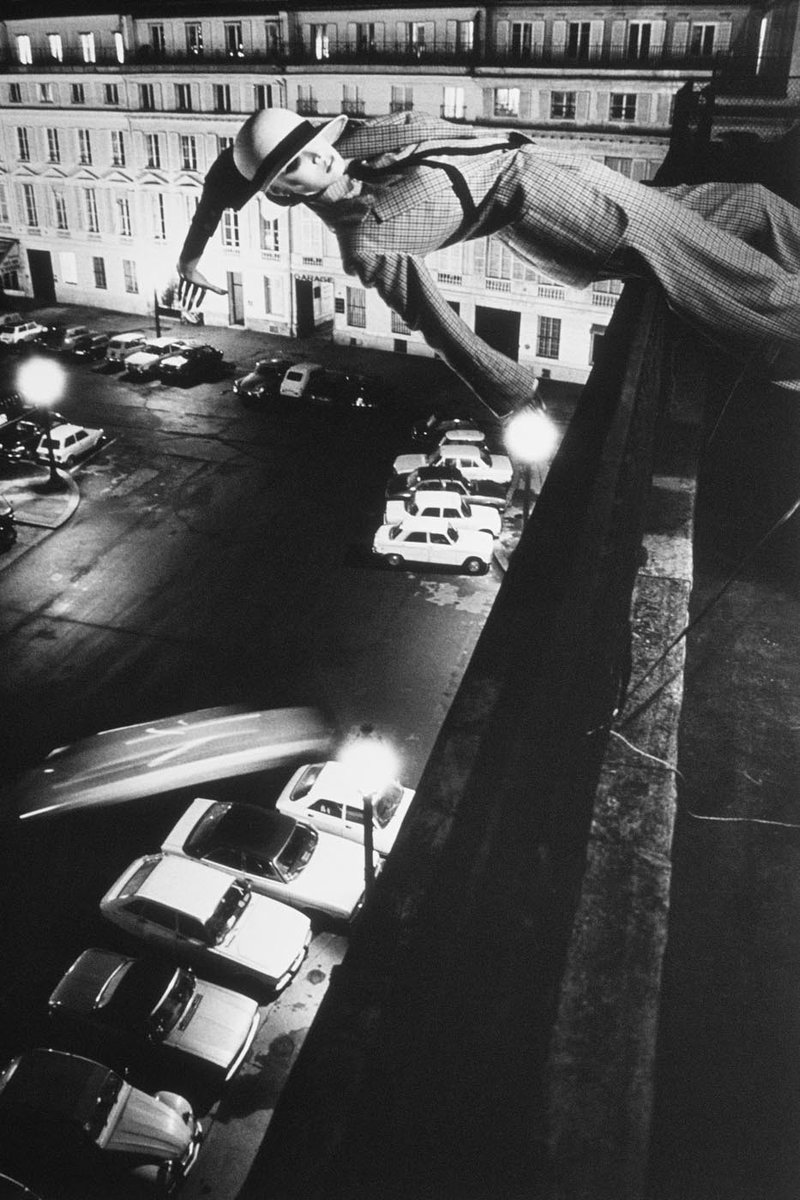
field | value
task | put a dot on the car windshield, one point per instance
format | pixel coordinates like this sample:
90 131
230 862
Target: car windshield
386 805
306 781
149 995
297 851
395 531
173 1005
106 1099
228 911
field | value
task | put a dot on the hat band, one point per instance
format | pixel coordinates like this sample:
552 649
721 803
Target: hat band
284 152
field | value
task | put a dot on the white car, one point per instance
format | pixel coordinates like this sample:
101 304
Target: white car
326 795
472 460
277 855
70 442
25 331
145 360
450 507
430 540
199 915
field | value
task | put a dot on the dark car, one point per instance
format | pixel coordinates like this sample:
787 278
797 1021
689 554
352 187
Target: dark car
195 364
430 431
92 346
19 439
446 478
349 393
11 405
263 382
8 526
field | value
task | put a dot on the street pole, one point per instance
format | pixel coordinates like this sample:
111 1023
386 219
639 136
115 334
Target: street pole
369 868
155 314
54 482
526 494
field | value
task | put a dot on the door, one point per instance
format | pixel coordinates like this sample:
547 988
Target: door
500 328
305 307
235 299
41 266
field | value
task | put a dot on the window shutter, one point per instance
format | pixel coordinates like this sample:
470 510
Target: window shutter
525 104
663 106
333 34
658 30
643 107
517 269
380 35
402 34
680 38
723 37
618 31
488 102
582 106
479 259
596 30
537 36
308 41
545 102
352 35
451 35
172 160
603 106
501 36
559 37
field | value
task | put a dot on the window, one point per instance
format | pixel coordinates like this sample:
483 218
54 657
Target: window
188 145
117 148
365 38
234 45
45 93
23 145
453 104
90 201
55 46
352 100
639 33
60 211
499 259
357 307
77 93
606 287
222 97
623 106
111 93
320 42
119 47
578 36
3 205
306 100
99 267
153 150
53 147
84 147
123 216
268 295
194 38
415 38
29 199
158 42
14 93
402 99
230 229
263 96
631 168
147 97
183 97
521 39
69 267
272 34
129 275
399 325
224 143
549 337
159 217
702 41
24 49
87 47
270 235
562 106
506 102
465 37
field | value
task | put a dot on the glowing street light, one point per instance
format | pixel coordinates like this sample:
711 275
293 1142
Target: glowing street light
41 382
530 438
372 765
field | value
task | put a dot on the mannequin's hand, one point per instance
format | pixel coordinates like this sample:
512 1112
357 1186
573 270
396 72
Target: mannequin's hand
192 287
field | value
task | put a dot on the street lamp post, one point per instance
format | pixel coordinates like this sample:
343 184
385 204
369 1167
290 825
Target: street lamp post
41 382
530 439
373 765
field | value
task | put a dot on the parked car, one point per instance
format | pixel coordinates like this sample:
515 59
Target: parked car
146 359
450 507
472 461
93 346
72 336
426 540
263 382
432 429
347 393
277 855
75 1120
10 318
153 1016
195 364
298 379
122 344
325 795
70 442
8 526
19 439
24 331
447 478
198 915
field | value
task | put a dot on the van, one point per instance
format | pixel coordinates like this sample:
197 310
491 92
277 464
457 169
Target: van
167 754
25 331
67 443
124 343
297 379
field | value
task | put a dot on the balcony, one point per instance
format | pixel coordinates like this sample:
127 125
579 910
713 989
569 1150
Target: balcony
307 106
354 108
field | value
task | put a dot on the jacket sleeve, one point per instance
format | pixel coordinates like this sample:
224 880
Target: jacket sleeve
223 187
406 285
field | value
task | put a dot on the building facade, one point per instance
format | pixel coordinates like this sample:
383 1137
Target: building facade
109 121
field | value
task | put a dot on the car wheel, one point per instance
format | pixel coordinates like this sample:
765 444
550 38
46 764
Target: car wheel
475 566
69 463
393 560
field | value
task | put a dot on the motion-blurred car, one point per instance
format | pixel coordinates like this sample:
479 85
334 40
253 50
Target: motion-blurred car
72 336
70 442
472 461
345 393
197 914
447 478
12 1189
145 360
93 346
431 541
327 796
277 855
195 364
450 507
75 1120
150 1016
263 382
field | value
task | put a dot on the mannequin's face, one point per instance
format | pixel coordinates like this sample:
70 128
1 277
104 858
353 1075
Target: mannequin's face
313 169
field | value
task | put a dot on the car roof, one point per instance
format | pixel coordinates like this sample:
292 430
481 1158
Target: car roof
191 887
465 448
432 524
65 430
441 496
306 366
61 1083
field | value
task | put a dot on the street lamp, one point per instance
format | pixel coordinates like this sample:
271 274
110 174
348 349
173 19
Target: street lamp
41 382
372 765
530 438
